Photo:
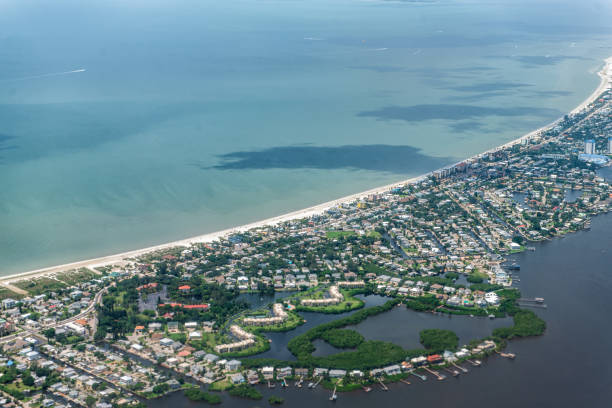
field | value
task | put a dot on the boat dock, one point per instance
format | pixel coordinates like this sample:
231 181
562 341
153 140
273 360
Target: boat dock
453 372
465 370
382 384
535 302
511 356
334 396
475 363
317 383
421 376
439 376
405 381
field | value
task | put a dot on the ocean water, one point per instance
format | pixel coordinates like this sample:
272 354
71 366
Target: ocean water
129 124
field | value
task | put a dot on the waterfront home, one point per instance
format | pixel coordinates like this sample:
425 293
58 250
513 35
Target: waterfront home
283 372
392 369
267 372
301 372
319 372
434 359
210 358
278 311
337 373
233 365
237 378
377 372
246 340
334 298
252 377
418 361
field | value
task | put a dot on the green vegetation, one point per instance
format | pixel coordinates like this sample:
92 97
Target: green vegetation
437 340
452 275
349 303
485 287
9 294
245 391
274 400
76 276
37 286
339 234
343 338
369 354
222 385
196 394
422 303
293 320
118 314
526 323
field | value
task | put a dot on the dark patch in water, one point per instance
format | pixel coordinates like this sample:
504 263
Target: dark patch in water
387 158
421 113
490 87
477 97
533 61
4 140
466 126
551 94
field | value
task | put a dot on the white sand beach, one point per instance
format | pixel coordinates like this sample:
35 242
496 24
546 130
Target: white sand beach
605 83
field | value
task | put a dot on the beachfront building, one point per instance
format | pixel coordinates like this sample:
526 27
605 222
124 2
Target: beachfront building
279 316
334 298
589 146
246 339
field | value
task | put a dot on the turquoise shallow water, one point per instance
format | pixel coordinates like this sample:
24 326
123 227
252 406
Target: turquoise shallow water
198 116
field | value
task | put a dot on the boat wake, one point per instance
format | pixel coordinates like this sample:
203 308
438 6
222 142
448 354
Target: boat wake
52 74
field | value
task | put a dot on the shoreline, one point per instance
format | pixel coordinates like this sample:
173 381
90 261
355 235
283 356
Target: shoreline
605 74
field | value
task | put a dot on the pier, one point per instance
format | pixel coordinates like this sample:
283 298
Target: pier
334 396
382 384
475 363
453 372
421 376
317 383
439 376
405 381
465 370
535 302
510 356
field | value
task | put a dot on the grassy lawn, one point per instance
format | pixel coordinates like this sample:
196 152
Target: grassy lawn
339 234
221 385
374 234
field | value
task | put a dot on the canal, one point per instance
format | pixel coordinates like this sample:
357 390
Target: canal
570 365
